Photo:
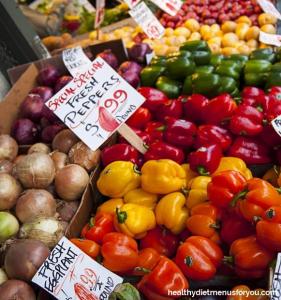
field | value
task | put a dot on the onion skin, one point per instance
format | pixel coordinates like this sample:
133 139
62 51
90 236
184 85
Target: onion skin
132 78
25 132
60 159
138 52
16 290
131 66
48 75
80 154
44 92
35 170
70 182
8 147
24 257
109 57
32 107
67 210
3 276
49 132
9 226
6 166
64 140
33 203
39 148
62 82
10 190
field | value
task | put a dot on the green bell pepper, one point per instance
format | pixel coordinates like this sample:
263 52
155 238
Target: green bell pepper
255 79
227 85
216 59
274 79
182 53
206 84
187 86
195 46
158 61
150 74
201 57
229 68
238 58
257 66
179 67
205 69
170 87
265 54
276 68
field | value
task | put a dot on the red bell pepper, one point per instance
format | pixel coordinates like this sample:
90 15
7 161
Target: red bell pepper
172 109
154 98
224 186
143 135
162 240
98 226
269 136
180 133
120 252
251 92
247 120
255 97
155 130
119 152
198 258
91 248
250 259
219 109
193 107
275 91
212 134
234 227
140 118
147 260
251 150
273 109
205 160
161 150
161 280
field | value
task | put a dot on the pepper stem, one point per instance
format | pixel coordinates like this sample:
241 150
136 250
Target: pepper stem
270 213
121 216
228 260
92 222
278 190
161 128
185 191
143 270
202 171
136 169
188 261
237 197
215 226
124 291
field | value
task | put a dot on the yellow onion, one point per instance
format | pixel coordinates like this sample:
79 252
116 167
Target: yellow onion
64 140
3 276
60 159
16 289
33 203
35 170
8 147
83 156
47 230
6 166
10 190
39 147
9 226
70 182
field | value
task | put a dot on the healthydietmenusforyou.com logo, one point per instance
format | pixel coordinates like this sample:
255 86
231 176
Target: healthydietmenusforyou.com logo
207 292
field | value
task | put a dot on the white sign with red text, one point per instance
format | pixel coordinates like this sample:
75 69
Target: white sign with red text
95 103
68 273
276 124
100 7
148 22
171 7
269 8
270 39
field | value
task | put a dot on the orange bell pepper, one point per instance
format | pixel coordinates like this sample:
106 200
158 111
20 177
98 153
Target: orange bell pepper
148 258
244 294
91 248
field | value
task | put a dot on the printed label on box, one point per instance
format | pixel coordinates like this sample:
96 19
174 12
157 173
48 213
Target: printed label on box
95 103
146 19
269 8
68 273
171 7
270 39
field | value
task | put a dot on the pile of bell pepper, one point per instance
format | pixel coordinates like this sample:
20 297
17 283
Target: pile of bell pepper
195 70
168 226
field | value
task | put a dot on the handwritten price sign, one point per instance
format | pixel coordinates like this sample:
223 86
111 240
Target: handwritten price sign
95 103
269 8
68 274
270 39
100 4
171 7
146 19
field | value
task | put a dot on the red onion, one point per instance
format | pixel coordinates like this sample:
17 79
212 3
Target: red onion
138 52
16 289
48 75
32 107
110 58
25 131
61 82
44 92
49 132
132 78
129 66
49 115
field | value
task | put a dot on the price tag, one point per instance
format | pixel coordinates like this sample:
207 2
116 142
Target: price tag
68 273
276 124
100 4
269 8
276 280
270 39
148 57
95 103
146 19
171 7
132 3
75 60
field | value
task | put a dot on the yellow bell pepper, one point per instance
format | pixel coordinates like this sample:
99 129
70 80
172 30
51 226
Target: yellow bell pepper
234 164
190 174
110 205
197 191
118 178
134 220
171 212
162 176
141 197
272 175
